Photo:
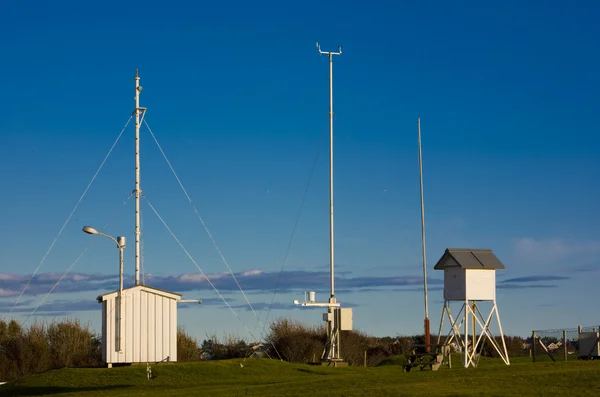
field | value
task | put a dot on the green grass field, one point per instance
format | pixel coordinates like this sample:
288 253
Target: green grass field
273 378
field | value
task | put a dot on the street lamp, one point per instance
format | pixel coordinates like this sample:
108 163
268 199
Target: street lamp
120 241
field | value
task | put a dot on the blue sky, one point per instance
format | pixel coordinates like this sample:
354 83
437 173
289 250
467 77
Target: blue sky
237 95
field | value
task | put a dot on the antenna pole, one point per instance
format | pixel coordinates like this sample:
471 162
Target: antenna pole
427 333
331 235
137 191
332 351
331 229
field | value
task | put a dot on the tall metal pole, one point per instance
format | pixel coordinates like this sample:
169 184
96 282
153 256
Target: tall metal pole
331 238
331 228
426 324
137 190
333 327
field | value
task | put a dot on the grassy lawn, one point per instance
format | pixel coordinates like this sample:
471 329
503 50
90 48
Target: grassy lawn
273 378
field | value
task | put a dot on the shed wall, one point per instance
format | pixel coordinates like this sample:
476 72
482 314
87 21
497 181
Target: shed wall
454 284
149 328
481 284
472 284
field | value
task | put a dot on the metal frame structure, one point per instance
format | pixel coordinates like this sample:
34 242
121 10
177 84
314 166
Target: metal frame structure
470 354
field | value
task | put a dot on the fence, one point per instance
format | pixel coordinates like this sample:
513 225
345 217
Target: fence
565 344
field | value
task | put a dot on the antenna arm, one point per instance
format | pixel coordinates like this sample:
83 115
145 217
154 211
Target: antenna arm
329 52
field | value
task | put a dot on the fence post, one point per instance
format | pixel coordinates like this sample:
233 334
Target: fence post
365 358
533 340
565 343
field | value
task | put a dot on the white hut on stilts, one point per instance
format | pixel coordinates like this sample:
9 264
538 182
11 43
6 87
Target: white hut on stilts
470 279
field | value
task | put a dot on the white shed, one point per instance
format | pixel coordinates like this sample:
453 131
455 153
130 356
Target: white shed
148 330
469 274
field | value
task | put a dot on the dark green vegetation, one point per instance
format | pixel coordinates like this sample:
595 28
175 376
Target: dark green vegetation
54 351
263 377
42 347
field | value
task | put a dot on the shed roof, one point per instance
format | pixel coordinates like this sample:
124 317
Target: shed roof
467 258
157 291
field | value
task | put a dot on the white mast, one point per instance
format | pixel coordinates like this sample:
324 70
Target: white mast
337 319
427 332
331 235
333 331
138 191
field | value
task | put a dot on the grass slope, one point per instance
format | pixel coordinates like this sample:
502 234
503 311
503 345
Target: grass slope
274 378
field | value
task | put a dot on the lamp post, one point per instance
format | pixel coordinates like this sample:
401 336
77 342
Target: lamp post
120 241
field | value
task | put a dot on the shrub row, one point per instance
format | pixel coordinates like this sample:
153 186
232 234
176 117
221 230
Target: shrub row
69 344
297 342
43 347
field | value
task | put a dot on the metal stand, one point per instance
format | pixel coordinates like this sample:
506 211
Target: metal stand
471 349
333 318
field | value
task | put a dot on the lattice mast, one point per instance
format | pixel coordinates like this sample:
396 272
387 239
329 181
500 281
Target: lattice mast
139 115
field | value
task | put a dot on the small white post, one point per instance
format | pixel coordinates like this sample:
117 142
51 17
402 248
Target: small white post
466 356
121 246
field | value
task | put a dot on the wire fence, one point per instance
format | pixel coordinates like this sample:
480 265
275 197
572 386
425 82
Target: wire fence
581 343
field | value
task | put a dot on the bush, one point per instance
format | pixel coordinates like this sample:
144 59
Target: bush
41 348
232 347
295 342
187 347
72 345
356 343
37 355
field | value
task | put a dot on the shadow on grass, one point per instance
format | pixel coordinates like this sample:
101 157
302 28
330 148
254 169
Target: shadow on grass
53 390
308 371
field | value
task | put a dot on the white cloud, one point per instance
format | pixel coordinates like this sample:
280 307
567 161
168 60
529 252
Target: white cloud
10 277
555 250
252 273
192 278
8 292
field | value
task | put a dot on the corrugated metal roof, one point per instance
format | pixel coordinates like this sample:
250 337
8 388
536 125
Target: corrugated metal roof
468 258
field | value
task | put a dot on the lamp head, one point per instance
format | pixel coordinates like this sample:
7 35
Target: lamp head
89 230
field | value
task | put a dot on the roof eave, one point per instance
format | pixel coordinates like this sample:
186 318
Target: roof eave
162 292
